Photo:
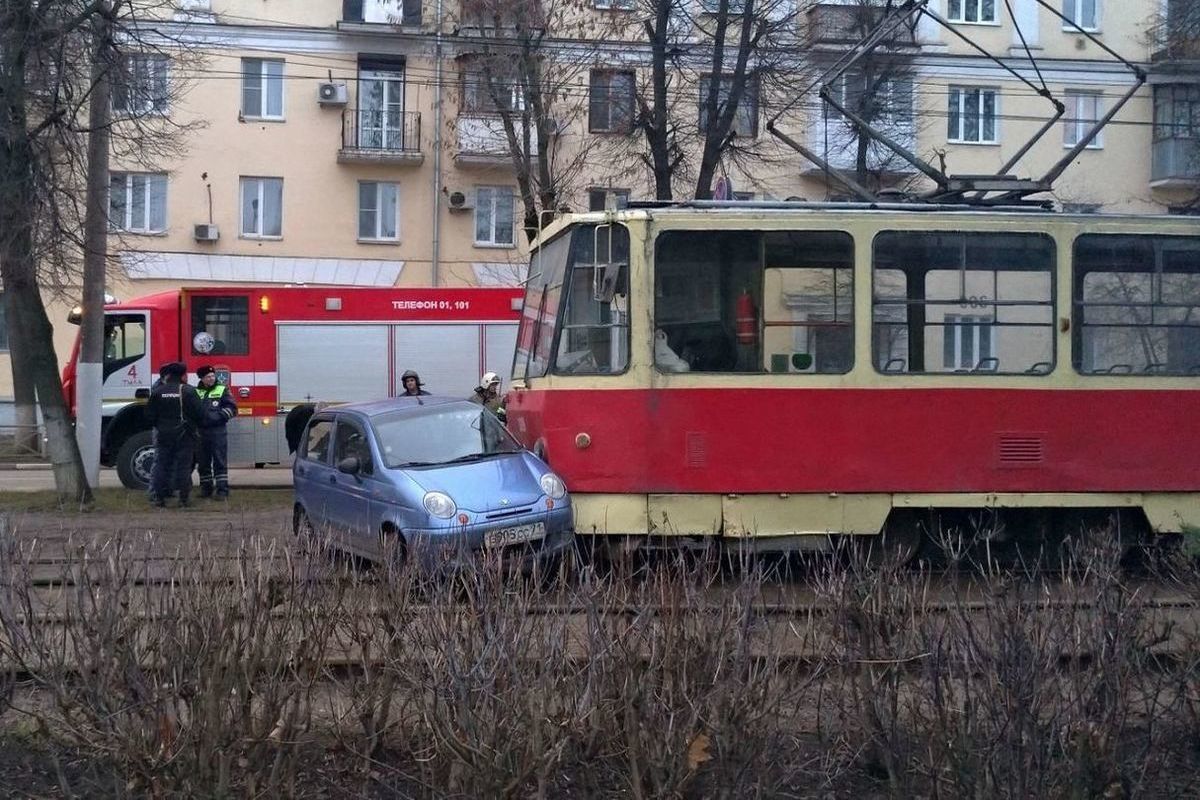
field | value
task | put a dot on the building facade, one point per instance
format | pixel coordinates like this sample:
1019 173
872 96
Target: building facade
345 142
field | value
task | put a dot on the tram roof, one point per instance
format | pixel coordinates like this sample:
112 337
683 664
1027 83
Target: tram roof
674 210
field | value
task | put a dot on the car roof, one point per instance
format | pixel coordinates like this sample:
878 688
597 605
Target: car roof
375 408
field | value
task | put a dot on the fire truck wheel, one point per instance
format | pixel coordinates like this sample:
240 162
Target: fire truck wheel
135 460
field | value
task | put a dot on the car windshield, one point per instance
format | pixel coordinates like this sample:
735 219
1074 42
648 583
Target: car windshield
441 434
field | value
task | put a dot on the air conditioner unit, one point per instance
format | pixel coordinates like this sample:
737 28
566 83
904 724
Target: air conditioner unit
460 201
332 94
207 232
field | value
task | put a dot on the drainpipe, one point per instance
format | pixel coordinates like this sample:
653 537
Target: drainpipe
437 144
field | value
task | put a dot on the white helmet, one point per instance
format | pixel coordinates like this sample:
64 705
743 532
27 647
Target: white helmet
488 379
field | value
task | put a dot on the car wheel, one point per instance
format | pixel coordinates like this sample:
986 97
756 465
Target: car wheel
135 460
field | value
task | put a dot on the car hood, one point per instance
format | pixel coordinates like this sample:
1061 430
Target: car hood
498 482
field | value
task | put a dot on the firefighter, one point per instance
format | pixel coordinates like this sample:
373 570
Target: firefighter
411 382
175 413
219 408
487 394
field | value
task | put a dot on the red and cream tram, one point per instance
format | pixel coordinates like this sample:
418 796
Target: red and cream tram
785 372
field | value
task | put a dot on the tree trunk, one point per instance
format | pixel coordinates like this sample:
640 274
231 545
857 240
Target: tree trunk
89 373
33 350
657 130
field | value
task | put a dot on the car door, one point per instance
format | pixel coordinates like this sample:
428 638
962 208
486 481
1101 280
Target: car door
349 500
312 472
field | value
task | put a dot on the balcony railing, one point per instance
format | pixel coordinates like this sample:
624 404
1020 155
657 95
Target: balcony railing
840 148
846 24
1175 162
374 136
406 13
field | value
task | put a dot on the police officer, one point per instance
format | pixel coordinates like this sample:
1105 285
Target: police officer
219 408
175 413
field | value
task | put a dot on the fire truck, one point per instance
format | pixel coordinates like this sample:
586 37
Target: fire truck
279 347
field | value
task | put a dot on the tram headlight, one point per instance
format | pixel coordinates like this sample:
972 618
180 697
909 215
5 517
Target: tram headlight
439 505
553 487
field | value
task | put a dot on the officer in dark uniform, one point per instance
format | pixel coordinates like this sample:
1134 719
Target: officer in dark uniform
175 412
219 408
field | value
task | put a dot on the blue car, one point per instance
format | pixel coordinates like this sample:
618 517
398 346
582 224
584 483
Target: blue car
438 480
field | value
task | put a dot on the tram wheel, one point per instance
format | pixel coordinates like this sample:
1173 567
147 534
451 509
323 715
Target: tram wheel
892 548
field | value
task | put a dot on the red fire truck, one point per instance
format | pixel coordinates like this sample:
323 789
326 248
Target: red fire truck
278 347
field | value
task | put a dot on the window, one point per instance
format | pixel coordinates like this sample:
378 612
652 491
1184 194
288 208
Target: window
262 88
972 11
621 5
1084 13
481 78
984 301
351 442
124 342
137 202
539 313
595 327
972 115
262 207
888 102
967 343
1083 109
1136 305
378 211
599 199
610 102
3 323
220 325
1176 111
316 445
494 215
754 302
745 119
140 85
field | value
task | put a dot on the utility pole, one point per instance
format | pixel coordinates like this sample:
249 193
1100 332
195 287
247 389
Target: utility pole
90 371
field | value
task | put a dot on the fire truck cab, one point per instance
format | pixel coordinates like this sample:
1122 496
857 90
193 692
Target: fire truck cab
279 347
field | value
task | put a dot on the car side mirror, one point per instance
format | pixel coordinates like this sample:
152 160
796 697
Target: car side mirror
349 465
141 394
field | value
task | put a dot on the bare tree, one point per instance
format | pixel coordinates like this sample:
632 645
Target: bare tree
523 61
712 66
877 91
48 74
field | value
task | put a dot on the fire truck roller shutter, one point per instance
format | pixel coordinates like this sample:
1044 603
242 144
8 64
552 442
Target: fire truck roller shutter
500 341
333 363
445 356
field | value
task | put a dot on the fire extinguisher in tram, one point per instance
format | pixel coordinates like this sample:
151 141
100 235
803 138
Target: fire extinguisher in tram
746 319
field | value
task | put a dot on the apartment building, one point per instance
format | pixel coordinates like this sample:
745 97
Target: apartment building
345 141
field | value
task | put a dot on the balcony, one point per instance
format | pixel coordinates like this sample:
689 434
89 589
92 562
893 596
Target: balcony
841 148
405 13
1175 163
482 142
372 136
842 25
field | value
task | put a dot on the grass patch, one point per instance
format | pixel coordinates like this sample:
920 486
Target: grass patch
123 501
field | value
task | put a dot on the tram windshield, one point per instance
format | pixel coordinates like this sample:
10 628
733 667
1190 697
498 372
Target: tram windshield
576 312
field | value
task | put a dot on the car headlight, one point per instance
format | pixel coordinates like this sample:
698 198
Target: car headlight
553 486
439 505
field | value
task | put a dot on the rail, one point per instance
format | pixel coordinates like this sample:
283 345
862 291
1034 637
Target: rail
381 131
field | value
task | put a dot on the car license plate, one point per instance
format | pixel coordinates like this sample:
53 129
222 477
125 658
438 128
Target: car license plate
521 533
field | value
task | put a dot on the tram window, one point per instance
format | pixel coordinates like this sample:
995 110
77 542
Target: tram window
595 327
220 325
535 336
1136 305
808 302
754 301
975 303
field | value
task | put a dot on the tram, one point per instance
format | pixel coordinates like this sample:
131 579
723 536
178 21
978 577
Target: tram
776 373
